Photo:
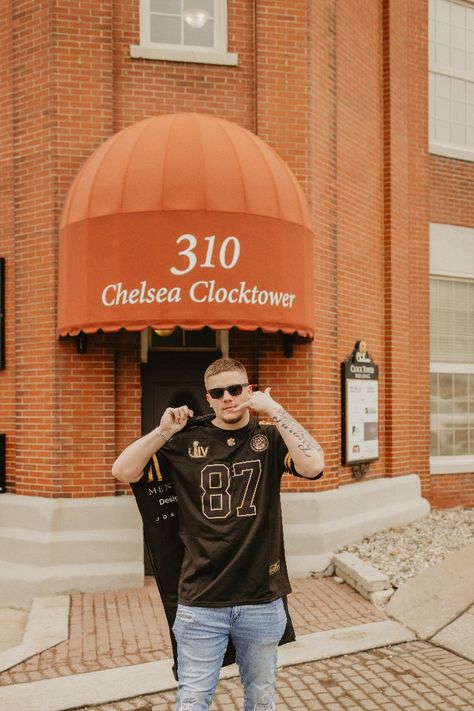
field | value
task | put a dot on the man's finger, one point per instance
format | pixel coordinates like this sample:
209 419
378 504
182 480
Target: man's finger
181 414
242 405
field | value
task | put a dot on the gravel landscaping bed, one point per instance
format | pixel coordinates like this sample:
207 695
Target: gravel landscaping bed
403 552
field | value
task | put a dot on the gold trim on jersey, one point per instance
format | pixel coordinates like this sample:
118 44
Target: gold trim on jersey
274 568
154 470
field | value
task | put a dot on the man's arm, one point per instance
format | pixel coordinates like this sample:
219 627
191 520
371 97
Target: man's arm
306 453
130 464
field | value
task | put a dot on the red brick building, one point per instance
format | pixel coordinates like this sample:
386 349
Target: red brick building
371 106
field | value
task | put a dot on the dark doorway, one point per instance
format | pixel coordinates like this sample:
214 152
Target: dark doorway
170 379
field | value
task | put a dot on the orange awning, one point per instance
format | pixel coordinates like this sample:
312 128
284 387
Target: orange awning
185 220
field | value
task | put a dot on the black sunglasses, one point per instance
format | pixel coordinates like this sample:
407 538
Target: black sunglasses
233 390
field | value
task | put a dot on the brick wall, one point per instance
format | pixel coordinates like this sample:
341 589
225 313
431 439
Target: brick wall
7 247
417 410
33 264
359 193
144 87
323 200
340 90
451 203
452 490
451 199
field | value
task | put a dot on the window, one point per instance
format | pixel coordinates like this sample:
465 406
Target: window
184 30
178 339
451 78
452 356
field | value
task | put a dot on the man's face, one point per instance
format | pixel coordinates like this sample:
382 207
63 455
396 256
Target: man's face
224 406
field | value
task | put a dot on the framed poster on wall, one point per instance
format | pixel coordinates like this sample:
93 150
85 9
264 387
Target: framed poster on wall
3 457
360 407
2 313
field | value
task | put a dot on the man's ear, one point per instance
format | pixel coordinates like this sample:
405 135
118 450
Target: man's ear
208 398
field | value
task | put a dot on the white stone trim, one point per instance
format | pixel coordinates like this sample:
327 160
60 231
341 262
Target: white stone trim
184 55
451 151
452 465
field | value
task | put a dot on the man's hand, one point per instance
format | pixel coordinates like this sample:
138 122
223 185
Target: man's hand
261 402
130 464
306 453
174 419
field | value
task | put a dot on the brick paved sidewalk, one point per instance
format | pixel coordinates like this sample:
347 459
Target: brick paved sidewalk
416 676
124 627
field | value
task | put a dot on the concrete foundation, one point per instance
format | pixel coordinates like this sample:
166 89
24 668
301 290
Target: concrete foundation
65 545
316 525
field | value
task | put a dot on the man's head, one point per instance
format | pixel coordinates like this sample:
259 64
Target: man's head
227 385
224 365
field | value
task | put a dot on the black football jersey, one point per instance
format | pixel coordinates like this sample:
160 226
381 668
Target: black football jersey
227 486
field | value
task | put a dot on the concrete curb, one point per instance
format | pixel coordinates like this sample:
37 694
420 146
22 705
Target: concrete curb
48 625
101 687
367 580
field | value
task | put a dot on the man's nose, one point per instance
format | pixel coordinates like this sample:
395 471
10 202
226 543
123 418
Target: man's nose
227 395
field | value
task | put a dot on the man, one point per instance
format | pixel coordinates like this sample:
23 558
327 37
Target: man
226 474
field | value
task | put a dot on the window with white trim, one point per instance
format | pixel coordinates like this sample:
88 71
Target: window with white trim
184 30
451 78
452 367
452 348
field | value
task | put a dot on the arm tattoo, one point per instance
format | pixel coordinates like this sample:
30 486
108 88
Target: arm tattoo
306 443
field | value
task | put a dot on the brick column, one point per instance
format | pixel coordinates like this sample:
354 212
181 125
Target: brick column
359 195
419 408
405 224
7 248
84 97
282 113
35 239
62 109
323 199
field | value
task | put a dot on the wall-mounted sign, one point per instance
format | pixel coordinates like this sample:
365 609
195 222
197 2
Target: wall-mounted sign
360 407
2 313
250 273
185 220
3 458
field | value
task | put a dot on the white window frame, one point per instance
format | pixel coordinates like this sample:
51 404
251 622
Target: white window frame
179 53
452 256
447 149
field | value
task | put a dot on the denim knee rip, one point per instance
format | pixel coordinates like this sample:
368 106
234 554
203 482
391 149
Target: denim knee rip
189 701
263 707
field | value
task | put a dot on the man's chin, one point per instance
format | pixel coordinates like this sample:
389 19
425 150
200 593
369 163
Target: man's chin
232 417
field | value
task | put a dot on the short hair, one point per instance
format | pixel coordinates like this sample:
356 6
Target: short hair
222 365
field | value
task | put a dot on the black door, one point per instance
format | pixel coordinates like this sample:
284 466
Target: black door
170 379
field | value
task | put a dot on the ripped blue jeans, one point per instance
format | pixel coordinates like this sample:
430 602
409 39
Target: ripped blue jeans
202 634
